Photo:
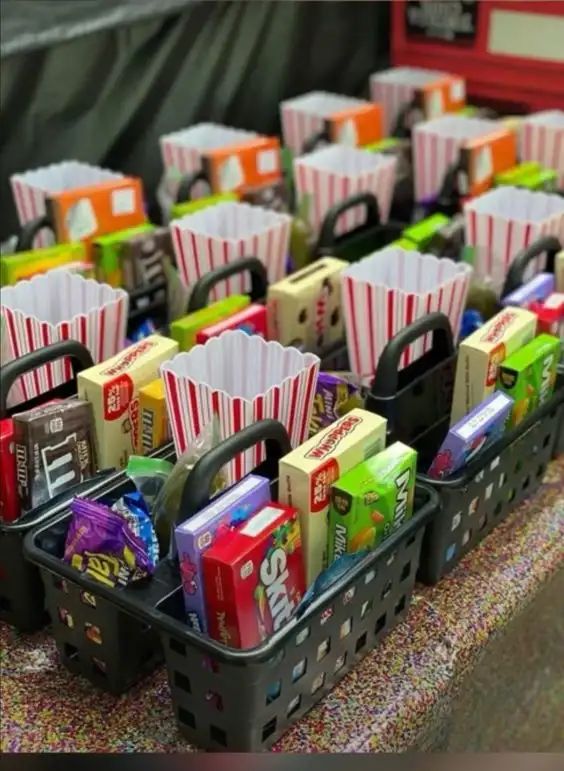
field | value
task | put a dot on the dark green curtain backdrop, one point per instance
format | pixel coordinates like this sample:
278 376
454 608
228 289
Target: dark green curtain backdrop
101 81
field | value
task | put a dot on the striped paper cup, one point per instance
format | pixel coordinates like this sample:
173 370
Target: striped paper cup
391 288
239 379
334 173
542 140
436 146
224 233
395 88
32 188
305 116
504 221
61 305
182 151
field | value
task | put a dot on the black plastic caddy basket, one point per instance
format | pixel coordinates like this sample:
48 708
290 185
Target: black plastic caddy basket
332 356
227 699
94 637
417 403
22 600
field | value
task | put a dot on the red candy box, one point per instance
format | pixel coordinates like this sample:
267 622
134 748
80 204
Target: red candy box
251 320
254 577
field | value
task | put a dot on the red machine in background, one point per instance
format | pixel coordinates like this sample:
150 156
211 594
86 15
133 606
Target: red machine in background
511 53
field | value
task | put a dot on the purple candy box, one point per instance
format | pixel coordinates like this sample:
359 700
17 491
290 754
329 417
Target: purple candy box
196 535
472 434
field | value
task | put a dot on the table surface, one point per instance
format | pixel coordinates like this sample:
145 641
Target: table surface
388 703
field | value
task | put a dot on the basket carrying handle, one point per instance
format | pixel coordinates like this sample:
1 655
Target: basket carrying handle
187 184
314 140
516 272
196 492
29 231
78 354
328 236
385 381
199 296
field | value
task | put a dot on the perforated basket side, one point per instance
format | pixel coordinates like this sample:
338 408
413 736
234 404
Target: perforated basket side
97 640
247 705
22 599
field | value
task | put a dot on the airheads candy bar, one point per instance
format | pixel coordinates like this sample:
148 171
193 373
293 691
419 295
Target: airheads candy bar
307 473
529 375
550 314
483 426
254 577
480 355
185 329
538 288
112 388
197 534
371 501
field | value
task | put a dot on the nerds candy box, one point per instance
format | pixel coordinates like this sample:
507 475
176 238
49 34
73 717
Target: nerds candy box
197 534
254 577
484 425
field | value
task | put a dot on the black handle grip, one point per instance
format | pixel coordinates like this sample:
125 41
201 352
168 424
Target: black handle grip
448 200
385 381
187 183
314 140
402 129
201 291
327 236
78 354
516 272
196 493
30 229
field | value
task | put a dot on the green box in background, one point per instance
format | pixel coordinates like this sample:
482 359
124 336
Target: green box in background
371 501
190 207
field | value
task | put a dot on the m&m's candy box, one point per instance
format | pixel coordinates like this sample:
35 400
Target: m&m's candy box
254 577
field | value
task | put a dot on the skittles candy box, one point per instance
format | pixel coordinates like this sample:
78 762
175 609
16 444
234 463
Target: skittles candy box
254 577
371 501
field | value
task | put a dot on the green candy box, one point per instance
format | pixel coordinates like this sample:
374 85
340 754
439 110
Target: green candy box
371 501
529 376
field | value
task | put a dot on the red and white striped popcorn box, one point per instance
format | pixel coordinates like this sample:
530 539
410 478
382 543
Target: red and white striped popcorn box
334 173
388 290
395 88
224 233
305 115
239 379
542 140
61 305
503 221
436 146
31 189
182 152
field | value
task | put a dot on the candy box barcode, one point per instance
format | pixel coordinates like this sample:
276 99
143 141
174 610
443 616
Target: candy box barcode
254 577
307 473
112 388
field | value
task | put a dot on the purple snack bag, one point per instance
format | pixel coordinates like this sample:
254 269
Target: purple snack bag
101 544
335 395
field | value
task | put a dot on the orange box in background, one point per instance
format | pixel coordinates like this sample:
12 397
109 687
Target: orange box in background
357 126
441 96
238 167
484 157
83 213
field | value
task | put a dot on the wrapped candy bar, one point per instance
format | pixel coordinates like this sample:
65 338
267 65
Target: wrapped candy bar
101 544
335 395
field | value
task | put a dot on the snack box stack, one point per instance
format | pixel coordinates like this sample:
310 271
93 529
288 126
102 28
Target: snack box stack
25 265
307 473
133 258
185 330
254 577
112 388
197 535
